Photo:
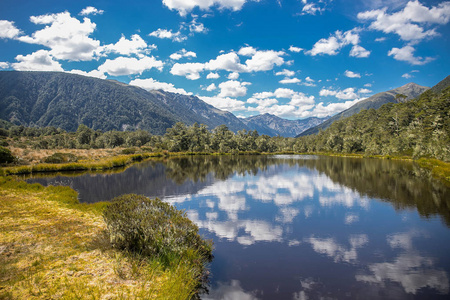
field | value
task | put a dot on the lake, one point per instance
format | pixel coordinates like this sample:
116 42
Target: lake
301 227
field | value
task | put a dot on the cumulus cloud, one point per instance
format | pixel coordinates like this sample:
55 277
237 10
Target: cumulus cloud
321 110
233 75
90 10
247 51
136 45
289 80
295 49
351 74
286 73
212 76
168 34
410 22
129 65
8 30
93 73
4 65
346 94
189 70
211 87
182 53
261 60
233 88
265 60
358 51
336 42
152 84
67 37
184 7
40 60
407 54
224 103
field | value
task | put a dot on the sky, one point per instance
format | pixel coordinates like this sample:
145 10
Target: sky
291 58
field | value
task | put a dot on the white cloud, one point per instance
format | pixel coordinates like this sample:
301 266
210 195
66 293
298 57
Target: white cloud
290 80
321 110
136 45
295 49
4 65
309 79
8 30
405 22
346 94
40 60
189 70
233 75
212 76
286 73
368 85
263 102
151 84
407 76
351 74
182 53
211 87
264 60
228 62
197 27
233 88
129 65
247 51
93 73
183 7
338 252
311 9
335 42
226 103
168 34
364 91
90 10
260 61
407 54
360 52
381 39
67 37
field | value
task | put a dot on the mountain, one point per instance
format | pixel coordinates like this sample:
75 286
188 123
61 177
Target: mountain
67 100
410 90
273 125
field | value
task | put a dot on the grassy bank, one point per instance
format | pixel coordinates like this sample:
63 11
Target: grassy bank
52 247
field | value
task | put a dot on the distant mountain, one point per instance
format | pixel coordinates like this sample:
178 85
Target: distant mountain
68 100
273 125
410 90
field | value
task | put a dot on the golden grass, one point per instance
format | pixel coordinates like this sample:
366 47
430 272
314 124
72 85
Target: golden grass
53 248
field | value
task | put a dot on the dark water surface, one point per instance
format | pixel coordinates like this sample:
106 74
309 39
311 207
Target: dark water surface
302 227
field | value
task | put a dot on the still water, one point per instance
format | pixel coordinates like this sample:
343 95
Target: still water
301 227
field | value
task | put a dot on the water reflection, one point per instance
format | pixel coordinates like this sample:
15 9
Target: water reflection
303 227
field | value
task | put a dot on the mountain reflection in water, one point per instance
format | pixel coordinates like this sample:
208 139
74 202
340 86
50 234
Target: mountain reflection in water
302 227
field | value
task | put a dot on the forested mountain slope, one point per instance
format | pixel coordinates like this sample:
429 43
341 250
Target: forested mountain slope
417 127
410 90
67 100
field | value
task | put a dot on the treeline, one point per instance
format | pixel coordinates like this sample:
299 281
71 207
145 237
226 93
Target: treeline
179 138
420 127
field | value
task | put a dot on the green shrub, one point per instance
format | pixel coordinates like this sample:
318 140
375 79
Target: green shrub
129 151
57 158
6 156
150 227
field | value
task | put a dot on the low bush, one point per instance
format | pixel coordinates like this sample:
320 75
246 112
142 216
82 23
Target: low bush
6 156
58 158
151 227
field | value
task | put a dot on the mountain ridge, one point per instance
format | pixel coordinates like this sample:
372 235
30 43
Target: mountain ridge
410 90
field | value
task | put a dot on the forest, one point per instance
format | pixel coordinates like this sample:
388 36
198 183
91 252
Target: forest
417 128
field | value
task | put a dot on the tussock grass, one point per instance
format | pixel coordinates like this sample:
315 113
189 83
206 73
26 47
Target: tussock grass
52 247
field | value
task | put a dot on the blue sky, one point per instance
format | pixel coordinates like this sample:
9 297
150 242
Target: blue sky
291 58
